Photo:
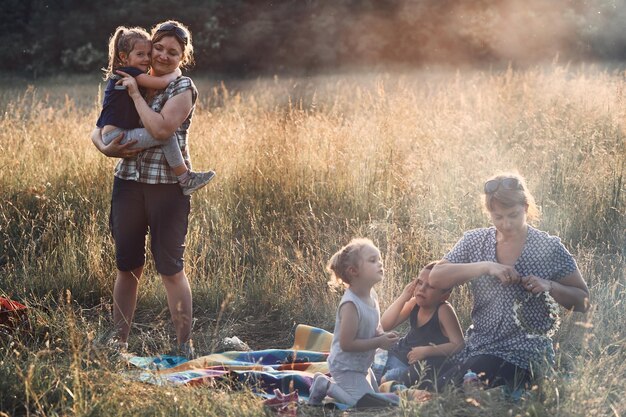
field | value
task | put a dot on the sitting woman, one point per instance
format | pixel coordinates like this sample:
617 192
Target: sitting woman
505 265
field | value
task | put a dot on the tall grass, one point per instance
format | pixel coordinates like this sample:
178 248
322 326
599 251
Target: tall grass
304 165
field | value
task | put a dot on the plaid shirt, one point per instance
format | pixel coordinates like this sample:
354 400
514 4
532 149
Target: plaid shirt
150 166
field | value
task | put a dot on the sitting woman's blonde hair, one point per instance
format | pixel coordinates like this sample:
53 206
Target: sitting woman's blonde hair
511 197
343 259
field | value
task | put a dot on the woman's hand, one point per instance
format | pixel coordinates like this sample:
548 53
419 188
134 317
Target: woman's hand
536 285
419 395
505 273
114 149
130 83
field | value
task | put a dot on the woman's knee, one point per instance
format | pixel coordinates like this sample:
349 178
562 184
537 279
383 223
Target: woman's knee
131 276
176 283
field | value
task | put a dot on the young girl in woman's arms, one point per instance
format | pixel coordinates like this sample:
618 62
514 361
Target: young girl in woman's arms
129 53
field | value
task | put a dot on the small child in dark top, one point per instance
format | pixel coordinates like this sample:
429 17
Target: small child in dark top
434 336
130 50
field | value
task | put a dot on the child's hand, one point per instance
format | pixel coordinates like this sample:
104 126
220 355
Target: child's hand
409 290
416 354
130 83
387 340
172 76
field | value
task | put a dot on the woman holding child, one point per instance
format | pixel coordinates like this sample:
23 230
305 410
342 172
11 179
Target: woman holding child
509 267
146 194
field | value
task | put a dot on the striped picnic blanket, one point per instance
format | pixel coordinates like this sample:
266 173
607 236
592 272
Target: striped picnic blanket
263 371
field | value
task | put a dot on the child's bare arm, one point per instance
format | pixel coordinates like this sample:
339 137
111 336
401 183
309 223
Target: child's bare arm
157 83
451 328
348 331
400 309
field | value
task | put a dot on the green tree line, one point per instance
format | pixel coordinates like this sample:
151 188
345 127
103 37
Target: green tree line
246 36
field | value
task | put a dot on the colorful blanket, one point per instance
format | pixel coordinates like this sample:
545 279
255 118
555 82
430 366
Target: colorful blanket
263 371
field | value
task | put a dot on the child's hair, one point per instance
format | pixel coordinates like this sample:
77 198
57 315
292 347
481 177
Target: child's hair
123 40
181 33
344 258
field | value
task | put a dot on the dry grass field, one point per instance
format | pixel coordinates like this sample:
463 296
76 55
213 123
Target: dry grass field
305 164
